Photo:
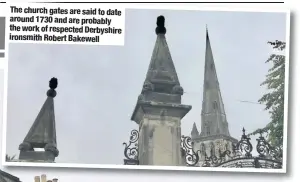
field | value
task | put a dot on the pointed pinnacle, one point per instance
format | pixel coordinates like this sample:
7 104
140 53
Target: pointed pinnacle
194 126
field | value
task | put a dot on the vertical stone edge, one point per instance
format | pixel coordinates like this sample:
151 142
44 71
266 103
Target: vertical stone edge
2 33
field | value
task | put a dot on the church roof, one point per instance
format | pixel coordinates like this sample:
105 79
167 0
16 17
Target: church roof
43 130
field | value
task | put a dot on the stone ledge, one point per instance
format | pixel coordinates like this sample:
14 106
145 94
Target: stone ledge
144 107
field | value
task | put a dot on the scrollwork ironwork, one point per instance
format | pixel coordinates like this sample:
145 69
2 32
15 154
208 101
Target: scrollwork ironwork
265 150
239 157
262 147
224 154
192 158
215 160
244 145
131 151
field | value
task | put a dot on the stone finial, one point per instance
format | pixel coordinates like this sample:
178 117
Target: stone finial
43 178
160 29
53 85
37 179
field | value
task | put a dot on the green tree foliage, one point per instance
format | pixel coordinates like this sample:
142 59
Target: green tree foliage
274 98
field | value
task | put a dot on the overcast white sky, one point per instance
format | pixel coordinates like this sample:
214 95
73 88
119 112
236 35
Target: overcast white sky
99 85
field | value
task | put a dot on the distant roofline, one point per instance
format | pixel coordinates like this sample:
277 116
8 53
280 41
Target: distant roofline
213 137
5 174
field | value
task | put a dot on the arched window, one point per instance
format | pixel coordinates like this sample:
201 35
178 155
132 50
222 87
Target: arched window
215 105
212 149
202 148
226 146
212 66
208 130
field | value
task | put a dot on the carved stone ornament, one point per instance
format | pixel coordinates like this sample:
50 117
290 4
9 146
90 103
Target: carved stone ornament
52 148
141 97
147 86
25 146
177 89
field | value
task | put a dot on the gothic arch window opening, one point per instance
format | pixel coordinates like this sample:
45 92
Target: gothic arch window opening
212 66
226 146
202 148
207 129
215 105
212 149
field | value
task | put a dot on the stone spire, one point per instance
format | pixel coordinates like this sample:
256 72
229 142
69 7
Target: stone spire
213 115
195 131
42 133
159 111
161 75
161 83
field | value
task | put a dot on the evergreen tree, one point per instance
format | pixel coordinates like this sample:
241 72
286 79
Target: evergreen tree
274 98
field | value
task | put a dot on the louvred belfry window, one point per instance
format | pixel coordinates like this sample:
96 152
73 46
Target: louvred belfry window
215 105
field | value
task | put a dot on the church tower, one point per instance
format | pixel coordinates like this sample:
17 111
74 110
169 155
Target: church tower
214 133
159 111
42 134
